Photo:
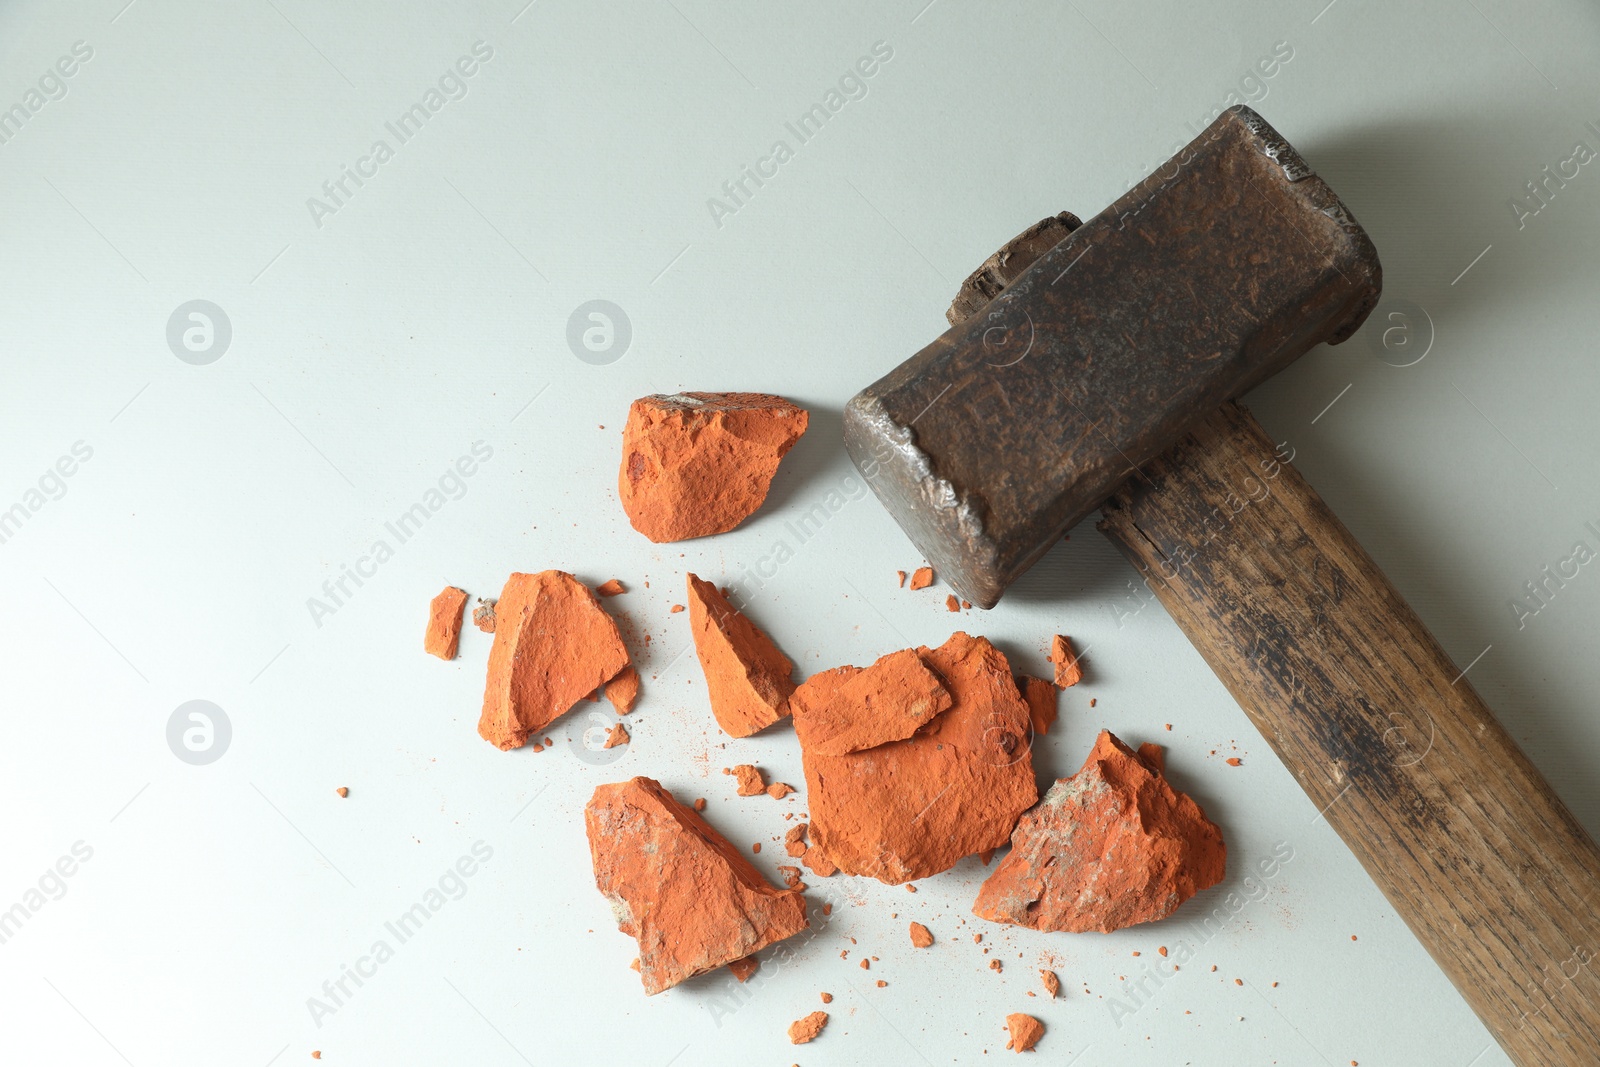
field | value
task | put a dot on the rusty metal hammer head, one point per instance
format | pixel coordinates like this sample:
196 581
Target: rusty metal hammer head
1216 271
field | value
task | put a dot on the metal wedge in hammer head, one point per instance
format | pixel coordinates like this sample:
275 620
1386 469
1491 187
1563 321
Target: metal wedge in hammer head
1216 271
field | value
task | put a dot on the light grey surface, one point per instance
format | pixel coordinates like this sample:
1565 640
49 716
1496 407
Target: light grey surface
430 311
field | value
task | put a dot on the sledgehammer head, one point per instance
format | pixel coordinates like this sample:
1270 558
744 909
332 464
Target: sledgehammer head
1222 267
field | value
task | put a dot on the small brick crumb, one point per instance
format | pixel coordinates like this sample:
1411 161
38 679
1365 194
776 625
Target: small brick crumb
676 608
994 965
881 983
827 998
1233 761
902 576
756 847
343 791
866 964
699 803
779 790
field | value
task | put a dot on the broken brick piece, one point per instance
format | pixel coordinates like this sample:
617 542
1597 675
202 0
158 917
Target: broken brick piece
343 791
623 690
692 901
1025 1032
921 578
444 623
744 967
819 862
1042 701
902 576
1112 846
696 464
827 998
1052 983
794 842
1232 761
911 808
483 616
610 587
1068 671
779 790
804 1030
1155 756
747 678
617 735
791 876
553 646
848 709
921 936
951 603
750 781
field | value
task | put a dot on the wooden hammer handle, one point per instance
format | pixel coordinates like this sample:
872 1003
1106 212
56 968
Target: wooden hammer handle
1472 848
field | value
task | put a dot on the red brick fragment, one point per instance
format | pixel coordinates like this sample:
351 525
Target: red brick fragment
1025 1032
750 781
1068 671
611 587
623 690
744 967
676 885
747 678
1112 846
849 709
444 623
921 578
911 808
805 1030
921 936
483 616
1042 701
553 646
696 464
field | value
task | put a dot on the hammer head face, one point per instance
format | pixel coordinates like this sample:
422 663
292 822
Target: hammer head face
1219 269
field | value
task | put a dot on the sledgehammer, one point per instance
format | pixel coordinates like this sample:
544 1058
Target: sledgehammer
1092 366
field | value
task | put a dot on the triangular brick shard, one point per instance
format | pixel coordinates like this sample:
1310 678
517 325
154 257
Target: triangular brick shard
747 678
553 645
849 709
911 808
1112 846
692 901
1069 672
696 464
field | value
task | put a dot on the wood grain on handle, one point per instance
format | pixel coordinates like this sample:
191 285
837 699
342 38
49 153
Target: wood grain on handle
1470 845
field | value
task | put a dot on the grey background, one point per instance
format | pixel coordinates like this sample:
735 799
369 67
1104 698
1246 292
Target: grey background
430 311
